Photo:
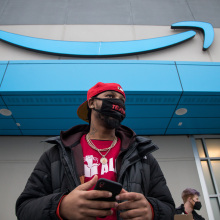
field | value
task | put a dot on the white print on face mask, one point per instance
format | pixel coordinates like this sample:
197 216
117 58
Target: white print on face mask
91 166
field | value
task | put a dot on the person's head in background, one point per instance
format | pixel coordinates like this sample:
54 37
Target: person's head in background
191 198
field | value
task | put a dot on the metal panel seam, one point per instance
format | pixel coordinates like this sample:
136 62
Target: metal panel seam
4 74
178 100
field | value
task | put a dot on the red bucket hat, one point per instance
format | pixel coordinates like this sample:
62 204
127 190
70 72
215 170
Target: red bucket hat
100 87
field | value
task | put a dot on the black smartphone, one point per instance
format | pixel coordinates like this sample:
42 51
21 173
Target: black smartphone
108 185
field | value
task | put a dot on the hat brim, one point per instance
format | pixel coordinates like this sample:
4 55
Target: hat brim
82 111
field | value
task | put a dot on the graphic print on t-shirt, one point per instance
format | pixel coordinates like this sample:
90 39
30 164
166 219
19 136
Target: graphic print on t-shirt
91 164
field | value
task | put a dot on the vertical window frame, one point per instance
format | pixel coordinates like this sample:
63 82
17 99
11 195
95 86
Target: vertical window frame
210 168
201 177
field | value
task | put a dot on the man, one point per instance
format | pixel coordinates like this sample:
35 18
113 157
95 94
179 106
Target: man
61 185
191 203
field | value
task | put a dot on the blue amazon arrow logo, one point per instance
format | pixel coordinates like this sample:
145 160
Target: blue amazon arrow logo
205 27
110 49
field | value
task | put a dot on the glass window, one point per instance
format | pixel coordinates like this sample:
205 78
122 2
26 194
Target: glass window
216 171
209 156
215 208
200 148
208 178
213 147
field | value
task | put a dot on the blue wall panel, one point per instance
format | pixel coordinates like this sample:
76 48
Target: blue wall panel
44 95
33 100
200 78
45 124
152 99
200 99
44 111
1 101
146 111
79 76
146 123
7 123
194 123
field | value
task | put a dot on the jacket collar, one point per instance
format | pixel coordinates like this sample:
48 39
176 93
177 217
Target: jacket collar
74 134
128 137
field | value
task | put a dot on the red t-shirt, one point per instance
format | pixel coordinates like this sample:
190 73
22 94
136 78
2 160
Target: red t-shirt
93 166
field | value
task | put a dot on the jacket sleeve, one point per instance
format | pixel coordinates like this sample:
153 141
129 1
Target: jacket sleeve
38 201
159 194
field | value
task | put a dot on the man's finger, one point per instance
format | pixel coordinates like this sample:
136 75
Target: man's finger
131 205
129 196
123 191
100 204
131 214
126 205
98 213
98 194
88 185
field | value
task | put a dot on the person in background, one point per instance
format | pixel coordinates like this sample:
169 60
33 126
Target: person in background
61 185
190 203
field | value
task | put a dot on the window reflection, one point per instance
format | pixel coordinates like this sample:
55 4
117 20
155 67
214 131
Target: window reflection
215 208
216 171
208 178
200 148
213 147
209 153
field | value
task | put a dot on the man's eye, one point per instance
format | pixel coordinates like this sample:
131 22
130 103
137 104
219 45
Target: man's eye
110 96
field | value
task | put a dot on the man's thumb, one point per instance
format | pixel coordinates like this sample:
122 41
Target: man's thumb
88 185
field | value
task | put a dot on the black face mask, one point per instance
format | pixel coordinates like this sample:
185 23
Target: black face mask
197 205
114 108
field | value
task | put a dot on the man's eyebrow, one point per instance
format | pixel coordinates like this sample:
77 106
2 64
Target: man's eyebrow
114 92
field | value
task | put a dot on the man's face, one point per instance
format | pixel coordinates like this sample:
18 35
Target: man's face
194 199
107 121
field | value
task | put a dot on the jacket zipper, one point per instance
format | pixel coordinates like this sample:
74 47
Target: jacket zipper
124 158
127 156
70 165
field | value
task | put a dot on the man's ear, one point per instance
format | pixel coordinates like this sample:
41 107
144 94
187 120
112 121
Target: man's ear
91 103
189 198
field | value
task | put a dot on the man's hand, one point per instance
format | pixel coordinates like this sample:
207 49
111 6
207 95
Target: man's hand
81 204
135 206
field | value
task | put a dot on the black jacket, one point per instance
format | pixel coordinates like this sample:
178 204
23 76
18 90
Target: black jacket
59 169
181 210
